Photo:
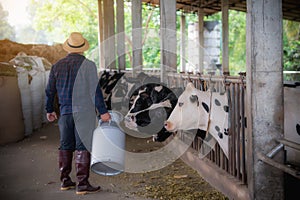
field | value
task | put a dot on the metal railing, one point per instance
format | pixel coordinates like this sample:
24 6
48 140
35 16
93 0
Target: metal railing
235 87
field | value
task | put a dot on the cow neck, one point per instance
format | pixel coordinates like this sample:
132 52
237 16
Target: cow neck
163 104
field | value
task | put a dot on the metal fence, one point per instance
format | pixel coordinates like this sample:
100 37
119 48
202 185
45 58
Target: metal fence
235 87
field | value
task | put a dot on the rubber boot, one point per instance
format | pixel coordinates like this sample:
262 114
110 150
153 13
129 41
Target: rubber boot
65 167
82 163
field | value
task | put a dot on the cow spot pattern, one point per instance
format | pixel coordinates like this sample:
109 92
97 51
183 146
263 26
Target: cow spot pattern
205 106
220 134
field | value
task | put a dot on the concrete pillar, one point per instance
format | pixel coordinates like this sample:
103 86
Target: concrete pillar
120 35
168 37
264 96
137 52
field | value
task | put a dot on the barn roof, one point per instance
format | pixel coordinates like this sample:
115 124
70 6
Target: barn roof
290 8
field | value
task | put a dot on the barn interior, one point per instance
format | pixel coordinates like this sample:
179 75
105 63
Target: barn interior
263 146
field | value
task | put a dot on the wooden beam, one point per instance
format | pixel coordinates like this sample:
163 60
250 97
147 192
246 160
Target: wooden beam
201 39
101 34
291 144
109 34
277 165
168 37
183 43
225 37
137 57
121 35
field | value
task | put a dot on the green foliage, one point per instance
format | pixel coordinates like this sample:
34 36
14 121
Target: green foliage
6 30
237 42
60 17
291 59
151 44
292 56
65 16
291 49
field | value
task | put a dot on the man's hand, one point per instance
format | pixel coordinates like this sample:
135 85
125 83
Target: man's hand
51 116
105 117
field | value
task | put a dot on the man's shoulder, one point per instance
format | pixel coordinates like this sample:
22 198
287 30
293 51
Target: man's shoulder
62 60
88 62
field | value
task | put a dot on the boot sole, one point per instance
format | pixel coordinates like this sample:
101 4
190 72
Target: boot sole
67 188
87 192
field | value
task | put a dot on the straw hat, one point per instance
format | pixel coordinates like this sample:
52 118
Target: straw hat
76 43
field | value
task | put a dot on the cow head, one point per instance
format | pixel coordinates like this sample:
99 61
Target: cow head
204 110
151 105
191 111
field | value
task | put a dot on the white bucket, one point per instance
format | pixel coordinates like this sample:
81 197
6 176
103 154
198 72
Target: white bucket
108 147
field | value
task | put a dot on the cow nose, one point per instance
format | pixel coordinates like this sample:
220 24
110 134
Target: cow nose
168 125
128 118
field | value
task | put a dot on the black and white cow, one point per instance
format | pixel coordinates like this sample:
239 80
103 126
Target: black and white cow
204 110
151 105
117 87
107 83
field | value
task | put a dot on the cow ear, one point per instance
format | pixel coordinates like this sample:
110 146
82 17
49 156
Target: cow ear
193 98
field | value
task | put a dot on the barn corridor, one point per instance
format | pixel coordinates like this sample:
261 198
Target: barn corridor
29 170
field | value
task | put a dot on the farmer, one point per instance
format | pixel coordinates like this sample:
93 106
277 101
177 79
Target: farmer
74 79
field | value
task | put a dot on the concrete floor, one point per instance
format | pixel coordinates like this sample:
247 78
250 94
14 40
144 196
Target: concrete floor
29 171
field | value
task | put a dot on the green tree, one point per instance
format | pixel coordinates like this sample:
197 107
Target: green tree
6 30
60 17
237 42
65 16
291 48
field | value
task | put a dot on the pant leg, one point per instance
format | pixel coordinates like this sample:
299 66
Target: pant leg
85 126
79 144
66 129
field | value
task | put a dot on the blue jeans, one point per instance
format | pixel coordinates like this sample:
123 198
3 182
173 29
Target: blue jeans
76 131
69 138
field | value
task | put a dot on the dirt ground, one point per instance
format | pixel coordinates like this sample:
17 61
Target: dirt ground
29 171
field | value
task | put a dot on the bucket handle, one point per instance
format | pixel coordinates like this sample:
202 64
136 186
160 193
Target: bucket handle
109 122
100 122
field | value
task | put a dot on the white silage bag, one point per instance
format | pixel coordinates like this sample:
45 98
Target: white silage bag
23 83
37 88
47 72
36 69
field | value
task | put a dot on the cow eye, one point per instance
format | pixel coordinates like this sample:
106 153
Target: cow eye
193 98
180 104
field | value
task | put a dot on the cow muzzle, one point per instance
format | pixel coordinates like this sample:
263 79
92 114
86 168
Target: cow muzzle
130 123
169 126
129 118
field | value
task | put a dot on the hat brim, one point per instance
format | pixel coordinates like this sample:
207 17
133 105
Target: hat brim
83 48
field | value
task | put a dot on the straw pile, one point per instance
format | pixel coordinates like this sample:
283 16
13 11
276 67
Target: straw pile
9 50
